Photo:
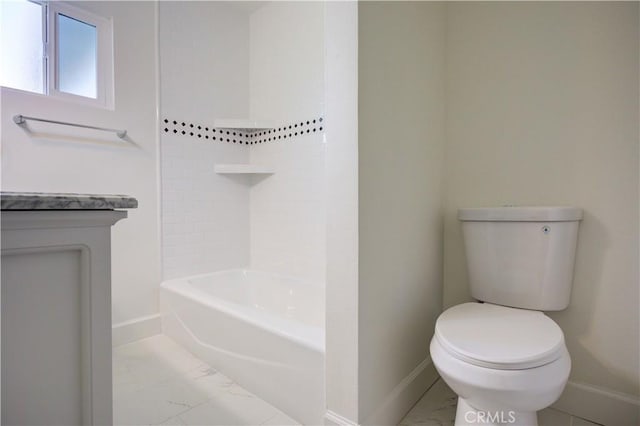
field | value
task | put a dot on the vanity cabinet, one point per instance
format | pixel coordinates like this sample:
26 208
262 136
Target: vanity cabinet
56 308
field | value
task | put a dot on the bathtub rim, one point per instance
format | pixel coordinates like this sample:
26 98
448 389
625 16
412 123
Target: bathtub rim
308 336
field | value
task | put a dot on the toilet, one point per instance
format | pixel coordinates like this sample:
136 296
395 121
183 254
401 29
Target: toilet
502 356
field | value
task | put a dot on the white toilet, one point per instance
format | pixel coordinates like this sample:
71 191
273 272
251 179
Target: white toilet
502 356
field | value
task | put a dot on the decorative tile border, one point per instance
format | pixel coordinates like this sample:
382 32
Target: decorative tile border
242 136
198 131
288 131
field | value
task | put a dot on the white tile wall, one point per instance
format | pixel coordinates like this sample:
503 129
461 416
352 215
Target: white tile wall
205 215
267 66
204 75
288 209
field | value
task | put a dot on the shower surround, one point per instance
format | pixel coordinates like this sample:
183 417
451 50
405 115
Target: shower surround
243 193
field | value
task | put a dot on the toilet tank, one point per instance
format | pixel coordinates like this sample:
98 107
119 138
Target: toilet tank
521 256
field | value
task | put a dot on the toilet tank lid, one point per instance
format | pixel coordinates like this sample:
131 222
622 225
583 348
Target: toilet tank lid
520 214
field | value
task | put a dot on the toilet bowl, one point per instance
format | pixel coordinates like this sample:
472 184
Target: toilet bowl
479 350
502 355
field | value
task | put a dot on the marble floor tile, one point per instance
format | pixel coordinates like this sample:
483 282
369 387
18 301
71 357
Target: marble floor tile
230 409
173 421
156 403
158 382
149 361
208 380
437 407
551 417
577 421
280 419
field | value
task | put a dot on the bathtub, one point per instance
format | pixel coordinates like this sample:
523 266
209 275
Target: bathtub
264 331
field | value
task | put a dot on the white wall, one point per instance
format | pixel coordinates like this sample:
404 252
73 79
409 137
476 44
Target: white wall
401 154
67 162
542 108
341 96
287 87
204 75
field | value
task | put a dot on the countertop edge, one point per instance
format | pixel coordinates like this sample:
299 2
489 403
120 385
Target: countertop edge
64 201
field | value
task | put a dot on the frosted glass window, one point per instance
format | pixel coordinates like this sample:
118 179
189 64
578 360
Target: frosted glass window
21 44
77 57
56 49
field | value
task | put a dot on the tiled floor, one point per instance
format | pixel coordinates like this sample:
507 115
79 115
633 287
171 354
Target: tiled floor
155 381
438 408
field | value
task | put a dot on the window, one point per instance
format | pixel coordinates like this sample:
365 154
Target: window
55 49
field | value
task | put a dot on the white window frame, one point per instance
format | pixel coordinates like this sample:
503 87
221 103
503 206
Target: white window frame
104 54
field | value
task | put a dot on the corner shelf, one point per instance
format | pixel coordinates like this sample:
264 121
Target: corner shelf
242 124
243 169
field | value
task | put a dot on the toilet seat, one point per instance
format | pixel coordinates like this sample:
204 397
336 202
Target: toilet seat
499 337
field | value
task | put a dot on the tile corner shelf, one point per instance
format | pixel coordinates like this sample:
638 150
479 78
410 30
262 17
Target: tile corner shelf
242 124
245 169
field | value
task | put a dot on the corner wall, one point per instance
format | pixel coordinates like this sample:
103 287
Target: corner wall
542 108
401 128
341 97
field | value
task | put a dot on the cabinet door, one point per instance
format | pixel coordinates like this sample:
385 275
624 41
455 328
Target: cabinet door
41 337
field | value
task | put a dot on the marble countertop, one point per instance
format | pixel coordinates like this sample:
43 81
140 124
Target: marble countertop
55 201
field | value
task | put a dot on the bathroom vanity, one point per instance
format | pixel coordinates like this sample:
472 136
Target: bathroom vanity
56 307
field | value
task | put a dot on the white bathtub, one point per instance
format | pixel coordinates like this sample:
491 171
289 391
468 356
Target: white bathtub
264 331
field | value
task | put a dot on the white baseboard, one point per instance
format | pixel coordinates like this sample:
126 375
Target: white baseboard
335 419
404 395
599 405
136 329
398 402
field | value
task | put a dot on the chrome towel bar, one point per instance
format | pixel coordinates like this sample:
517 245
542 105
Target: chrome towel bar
22 119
